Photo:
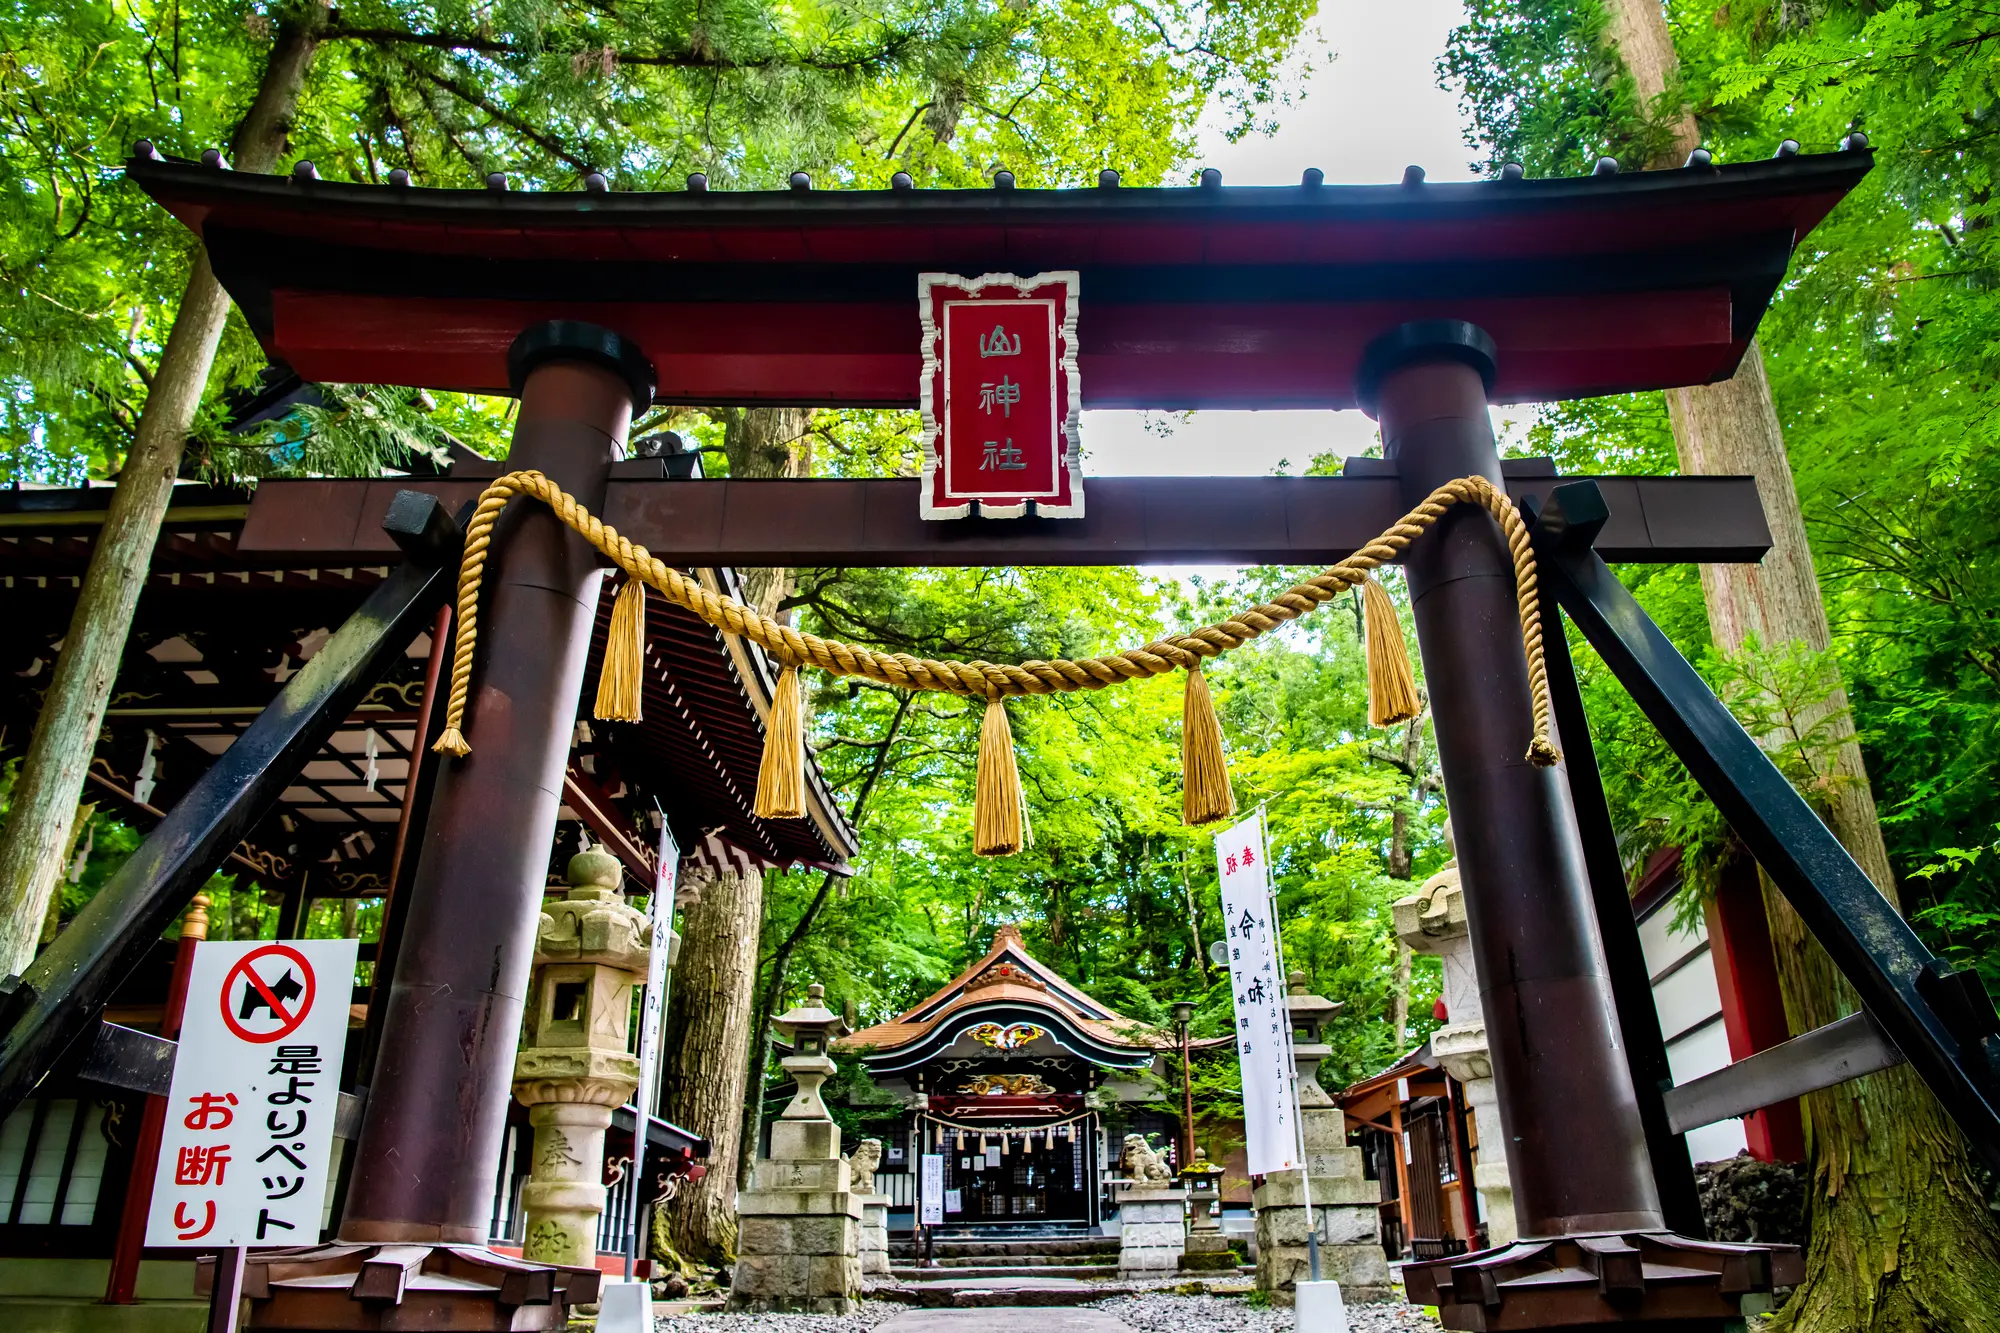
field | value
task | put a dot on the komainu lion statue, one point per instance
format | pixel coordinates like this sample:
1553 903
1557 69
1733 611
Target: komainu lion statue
862 1166
1139 1162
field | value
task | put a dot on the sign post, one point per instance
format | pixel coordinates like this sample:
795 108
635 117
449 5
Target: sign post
651 1011
1001 395
248 1144
930 1199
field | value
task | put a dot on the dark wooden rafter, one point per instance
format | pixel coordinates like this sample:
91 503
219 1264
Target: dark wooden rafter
1163 520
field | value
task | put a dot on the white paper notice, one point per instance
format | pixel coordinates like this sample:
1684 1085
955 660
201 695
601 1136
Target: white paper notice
1263 1032
932 1180
249 1135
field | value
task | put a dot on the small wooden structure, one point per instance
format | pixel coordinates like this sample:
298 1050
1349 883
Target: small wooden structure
1421 1143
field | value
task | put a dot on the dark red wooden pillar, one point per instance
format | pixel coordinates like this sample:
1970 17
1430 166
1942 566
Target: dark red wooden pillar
431 1140
1575 1147
1753 1007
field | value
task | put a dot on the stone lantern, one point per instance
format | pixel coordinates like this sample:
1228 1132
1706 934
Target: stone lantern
1207 1249
1433 921
799 1236
575 1064
1344 1201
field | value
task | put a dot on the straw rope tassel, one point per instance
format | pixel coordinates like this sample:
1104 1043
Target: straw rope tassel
1205 793
997 825
996 680
781 775
1392 689
621 680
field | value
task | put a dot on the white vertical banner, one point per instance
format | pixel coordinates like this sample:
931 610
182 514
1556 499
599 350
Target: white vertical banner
652 1006
248 1142
661 910
1263 1024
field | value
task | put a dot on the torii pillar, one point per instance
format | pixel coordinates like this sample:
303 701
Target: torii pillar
1583 1185
420 1200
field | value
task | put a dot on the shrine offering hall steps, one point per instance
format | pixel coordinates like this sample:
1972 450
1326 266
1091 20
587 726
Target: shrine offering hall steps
1046 1266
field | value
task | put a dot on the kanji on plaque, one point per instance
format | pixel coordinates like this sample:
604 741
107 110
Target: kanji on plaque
1000 395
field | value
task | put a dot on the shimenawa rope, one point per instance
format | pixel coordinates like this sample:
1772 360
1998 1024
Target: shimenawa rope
989 680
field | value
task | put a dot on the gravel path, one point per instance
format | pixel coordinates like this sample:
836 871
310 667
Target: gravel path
1162 1312
1150 1312
872 1313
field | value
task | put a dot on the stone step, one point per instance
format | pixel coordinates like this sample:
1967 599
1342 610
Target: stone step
989 1293
1022 1260
1077 1272
1011 1249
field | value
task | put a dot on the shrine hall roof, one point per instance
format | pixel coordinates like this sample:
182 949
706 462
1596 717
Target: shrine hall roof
1007 976
1206 296
223 622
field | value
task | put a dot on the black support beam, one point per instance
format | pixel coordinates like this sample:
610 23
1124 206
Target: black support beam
64 990
1940 1019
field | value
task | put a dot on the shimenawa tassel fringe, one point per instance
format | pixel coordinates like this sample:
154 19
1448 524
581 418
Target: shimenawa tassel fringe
620 683
452 742
1205 793
1392 689
781 777
997 823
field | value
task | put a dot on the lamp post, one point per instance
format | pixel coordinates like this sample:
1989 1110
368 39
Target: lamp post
1183 1016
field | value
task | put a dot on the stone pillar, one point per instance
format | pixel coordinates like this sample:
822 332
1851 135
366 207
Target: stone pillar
1343 1199
573 1069
1151 1229
799 1240
1432 921
874 1208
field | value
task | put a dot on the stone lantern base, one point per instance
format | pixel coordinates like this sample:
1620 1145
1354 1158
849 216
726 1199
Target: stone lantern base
1344 1211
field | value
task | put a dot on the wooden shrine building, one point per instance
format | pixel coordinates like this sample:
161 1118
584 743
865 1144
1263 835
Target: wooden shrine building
224 620
1026 1086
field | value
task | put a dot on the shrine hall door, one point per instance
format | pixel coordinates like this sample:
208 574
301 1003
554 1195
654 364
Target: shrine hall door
1039 1178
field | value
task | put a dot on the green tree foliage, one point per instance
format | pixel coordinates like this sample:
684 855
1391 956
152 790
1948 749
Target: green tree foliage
542 92
1883 348
1115 891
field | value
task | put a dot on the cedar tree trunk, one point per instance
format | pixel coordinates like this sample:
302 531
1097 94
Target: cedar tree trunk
707 1041
1901 1239
43 810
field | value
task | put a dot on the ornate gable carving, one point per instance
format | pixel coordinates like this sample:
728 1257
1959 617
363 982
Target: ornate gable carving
1003 973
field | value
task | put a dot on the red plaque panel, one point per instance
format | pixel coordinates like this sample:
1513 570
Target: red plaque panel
1000 395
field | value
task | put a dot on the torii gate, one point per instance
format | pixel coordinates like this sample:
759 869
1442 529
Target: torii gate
1423 303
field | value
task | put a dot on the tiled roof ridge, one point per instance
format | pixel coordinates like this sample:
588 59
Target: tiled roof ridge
962 991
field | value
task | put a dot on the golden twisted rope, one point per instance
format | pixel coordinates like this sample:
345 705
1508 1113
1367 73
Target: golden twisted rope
991 680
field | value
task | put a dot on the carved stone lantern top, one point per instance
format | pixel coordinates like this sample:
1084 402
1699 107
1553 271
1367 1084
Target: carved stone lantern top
592 923
812 1027
1432 920
1309 1011
1201 1174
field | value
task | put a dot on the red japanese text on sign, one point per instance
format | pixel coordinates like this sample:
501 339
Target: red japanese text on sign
247 1147
1000 395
